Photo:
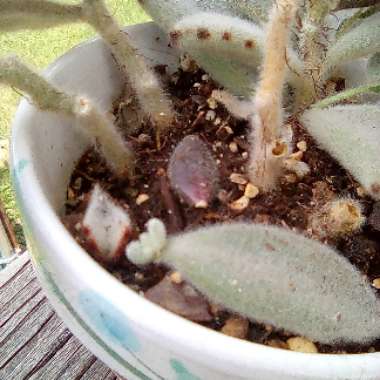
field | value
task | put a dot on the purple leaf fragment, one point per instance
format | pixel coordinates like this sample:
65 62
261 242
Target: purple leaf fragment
181 299
193 172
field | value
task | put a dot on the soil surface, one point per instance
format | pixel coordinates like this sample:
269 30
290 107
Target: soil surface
290 206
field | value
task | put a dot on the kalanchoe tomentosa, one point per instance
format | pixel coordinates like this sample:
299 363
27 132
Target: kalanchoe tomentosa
266 54
265 57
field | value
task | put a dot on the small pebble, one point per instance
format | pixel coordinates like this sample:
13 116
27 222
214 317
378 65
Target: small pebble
361 192
296 155
139 276
244 155
300 344
141 198
175 277
196 85
233 147
188 64
210 115
223 196
143 138
236 327
78 183
201 204
276 343
240 204
238 178
218 121
300 168
302 146
212 103
251 191
291 178
376 283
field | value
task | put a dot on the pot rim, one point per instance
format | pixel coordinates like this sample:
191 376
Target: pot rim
208 346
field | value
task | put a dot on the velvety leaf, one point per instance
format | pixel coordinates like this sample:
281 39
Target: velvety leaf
351 134
348 94
374 67
276 276
181 299
254 10
193 172
353 21
167 12
106 225
361 41
212 39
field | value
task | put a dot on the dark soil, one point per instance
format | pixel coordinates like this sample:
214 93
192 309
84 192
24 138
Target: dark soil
290 206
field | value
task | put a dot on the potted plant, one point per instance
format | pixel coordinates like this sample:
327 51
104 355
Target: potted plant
265 273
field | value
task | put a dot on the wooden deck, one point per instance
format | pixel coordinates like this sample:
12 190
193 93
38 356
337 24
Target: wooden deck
34 343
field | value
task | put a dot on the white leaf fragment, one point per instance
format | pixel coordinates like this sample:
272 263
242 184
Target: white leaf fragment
108 225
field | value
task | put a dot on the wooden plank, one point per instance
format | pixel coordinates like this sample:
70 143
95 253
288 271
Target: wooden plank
34 342
13 278
8 241
6 248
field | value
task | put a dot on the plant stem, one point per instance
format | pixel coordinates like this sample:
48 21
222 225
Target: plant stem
151 96
48 98
267 154
36 14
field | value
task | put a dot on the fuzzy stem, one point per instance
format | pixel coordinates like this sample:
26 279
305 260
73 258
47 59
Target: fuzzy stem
266 161
36 14
48 98
152 99
312 46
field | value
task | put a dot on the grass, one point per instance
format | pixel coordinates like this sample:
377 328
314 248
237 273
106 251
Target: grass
39 48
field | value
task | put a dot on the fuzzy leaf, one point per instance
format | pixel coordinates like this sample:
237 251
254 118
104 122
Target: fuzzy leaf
348 94
350 22
36 14
374 67
351 134
167 12
254 10
361 41
275 276
355 73
229 48
193 172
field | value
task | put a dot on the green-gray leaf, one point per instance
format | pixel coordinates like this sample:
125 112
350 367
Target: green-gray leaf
276 276
351 134
361 41
228 48
374 67
348 94
358 17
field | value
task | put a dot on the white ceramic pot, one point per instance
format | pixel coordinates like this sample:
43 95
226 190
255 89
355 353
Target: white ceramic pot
136 338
